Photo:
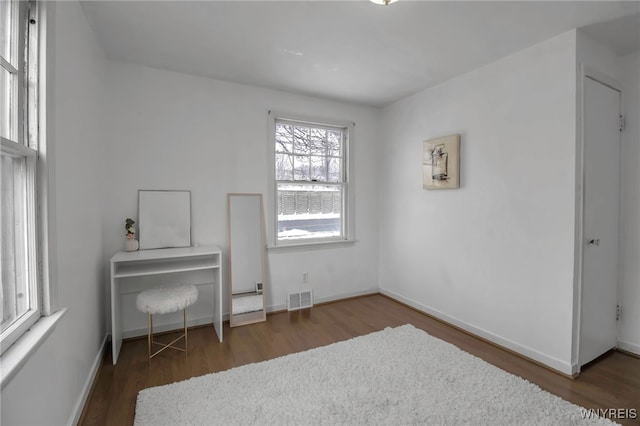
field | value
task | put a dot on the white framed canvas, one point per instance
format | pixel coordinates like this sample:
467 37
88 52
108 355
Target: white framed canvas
164 219
441 163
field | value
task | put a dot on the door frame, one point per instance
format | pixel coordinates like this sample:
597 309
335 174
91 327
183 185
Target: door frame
584 73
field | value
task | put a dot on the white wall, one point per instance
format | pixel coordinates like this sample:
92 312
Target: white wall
49 388
496 256
629 331
175 131
120 128
625 72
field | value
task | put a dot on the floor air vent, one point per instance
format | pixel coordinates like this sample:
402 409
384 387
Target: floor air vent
300 300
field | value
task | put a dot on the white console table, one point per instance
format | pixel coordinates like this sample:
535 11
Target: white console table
163 261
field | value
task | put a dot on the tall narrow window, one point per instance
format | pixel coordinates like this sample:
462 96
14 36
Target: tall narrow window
20 296
311 180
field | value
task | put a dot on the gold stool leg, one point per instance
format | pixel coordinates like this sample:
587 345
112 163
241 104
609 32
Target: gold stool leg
186 346
151 340
149 335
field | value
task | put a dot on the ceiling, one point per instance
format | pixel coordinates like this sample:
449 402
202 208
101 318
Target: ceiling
353 51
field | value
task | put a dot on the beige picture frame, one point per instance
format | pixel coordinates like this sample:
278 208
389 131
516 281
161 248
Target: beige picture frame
441 162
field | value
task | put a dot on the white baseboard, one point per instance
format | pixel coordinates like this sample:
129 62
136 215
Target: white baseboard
316 300
276 308
346 295
549 361
629 347
82 400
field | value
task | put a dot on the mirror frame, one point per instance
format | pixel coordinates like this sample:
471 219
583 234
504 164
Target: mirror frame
255 316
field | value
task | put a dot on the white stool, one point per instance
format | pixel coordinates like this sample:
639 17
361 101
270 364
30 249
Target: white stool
165 300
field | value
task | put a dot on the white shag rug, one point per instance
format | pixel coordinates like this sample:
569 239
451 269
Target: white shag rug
396 376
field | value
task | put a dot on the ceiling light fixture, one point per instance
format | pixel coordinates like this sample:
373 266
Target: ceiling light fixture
383 2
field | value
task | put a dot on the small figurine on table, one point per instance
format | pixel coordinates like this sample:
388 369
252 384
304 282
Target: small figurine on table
131 243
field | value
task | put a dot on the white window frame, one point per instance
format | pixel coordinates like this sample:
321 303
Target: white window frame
348 184
28 143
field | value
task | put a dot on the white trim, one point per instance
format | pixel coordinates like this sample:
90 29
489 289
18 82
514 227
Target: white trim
584 71
579 218
629 347
47 197
16 149
315 245
326 299
320 121
93 373
16 330
550 361
7 66
29 242
270 216
18 354
348 183
596 75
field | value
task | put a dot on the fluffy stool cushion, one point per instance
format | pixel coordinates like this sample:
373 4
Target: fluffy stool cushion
164 300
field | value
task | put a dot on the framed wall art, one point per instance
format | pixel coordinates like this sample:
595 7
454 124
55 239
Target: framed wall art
441 163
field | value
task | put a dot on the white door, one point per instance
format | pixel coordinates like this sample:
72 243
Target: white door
598 328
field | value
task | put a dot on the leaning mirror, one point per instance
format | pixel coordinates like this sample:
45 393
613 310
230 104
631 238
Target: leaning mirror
246 259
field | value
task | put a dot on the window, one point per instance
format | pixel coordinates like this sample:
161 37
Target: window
311 170
20 297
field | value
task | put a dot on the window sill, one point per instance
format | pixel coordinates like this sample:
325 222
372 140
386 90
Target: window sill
311 246
18 354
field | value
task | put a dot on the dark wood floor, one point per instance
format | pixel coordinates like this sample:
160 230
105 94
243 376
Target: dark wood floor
611 382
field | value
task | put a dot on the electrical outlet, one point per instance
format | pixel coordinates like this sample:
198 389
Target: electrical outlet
305 277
